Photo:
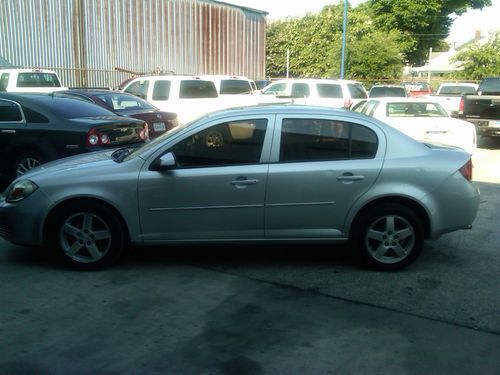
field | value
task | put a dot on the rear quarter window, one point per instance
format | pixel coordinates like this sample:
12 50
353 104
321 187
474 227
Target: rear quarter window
328 90
196 88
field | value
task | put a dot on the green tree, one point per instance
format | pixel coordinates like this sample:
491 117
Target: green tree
422 23
478 62
315 41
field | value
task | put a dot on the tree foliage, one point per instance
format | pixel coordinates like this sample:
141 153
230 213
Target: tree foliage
480 61
315 43
422 23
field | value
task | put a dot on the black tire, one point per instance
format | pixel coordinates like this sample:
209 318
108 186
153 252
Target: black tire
86 236
23 162
388 237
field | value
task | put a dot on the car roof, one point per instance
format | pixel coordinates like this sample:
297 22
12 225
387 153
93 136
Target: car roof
315 80
26 70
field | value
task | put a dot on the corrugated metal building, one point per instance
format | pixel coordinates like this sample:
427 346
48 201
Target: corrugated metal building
85 40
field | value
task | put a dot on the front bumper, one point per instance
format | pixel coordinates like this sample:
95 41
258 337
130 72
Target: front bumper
22 223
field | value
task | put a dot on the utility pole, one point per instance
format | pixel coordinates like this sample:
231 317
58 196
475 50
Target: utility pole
287 62
344 29
429 66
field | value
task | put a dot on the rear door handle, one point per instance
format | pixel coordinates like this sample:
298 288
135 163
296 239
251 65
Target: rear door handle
9 131
350 177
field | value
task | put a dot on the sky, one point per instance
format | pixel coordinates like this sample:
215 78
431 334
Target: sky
463 28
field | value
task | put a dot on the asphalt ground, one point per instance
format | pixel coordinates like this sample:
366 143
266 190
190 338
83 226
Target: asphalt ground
261 310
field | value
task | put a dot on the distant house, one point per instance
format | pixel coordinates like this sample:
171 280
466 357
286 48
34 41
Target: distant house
440 62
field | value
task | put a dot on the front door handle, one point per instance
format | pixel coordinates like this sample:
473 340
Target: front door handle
9 131
348 176
245 181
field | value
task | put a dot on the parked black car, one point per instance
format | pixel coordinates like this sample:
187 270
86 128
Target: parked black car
124 104
36 128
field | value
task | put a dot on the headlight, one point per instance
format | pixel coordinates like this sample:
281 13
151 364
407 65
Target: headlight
20 190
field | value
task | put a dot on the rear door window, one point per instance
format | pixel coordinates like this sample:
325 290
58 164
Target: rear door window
300 90
161 90
320 140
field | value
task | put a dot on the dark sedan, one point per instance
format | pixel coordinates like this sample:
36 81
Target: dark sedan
124 104
37 128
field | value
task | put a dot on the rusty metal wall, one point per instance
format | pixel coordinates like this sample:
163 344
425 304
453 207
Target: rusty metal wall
85 40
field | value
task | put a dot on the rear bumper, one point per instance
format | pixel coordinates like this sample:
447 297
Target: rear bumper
486 128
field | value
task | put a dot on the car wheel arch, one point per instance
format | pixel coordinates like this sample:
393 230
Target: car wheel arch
52 214
413 205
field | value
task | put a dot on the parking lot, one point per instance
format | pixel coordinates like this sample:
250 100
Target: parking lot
261 310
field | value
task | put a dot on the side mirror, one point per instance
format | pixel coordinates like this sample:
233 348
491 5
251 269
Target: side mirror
165 162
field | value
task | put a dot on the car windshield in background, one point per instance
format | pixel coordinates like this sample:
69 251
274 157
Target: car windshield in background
327 90
379 92
356 90
37 80
73 108
234 86
122 102
197 88
457 90
410 109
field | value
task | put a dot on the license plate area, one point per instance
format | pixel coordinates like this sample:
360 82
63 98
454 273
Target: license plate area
159 126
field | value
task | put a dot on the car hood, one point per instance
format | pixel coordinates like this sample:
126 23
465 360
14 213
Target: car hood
92 160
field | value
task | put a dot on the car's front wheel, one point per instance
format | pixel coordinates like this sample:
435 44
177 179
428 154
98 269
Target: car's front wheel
388 237
87 236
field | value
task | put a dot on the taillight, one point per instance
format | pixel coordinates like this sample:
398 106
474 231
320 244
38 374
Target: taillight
144 132
461 106
466 170
97 138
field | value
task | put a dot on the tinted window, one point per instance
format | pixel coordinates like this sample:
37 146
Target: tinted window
235 86
4 80
161 90
34 116
33 79
489 85
457 90
357 91
300 90
197 88
123 102
328 90
138 88
230 143
316 140
10 111
73 108
379 91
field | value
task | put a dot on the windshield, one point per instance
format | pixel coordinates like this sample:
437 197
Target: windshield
415 109
234 86
150 145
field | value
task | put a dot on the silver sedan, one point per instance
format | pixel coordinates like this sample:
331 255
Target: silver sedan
272 173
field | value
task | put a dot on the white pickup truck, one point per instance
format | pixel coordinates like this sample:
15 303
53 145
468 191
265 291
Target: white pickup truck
188 96
29 80
449 95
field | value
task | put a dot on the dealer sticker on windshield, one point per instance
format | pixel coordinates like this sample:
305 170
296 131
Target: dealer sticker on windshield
159 126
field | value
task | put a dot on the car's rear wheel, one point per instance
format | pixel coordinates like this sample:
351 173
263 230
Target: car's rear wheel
87 236
23 162
388 237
